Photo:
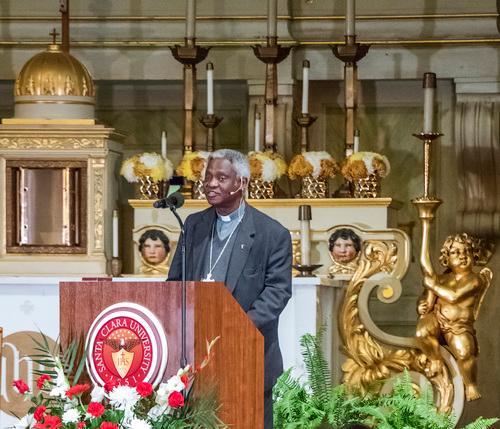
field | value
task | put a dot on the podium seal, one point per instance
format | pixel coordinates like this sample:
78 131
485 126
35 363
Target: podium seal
126 344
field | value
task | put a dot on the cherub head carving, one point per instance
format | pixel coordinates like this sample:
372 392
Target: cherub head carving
344 245
154 247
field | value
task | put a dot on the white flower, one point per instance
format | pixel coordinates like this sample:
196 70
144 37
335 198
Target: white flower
98 393
183 371
162 394
61 386
157 411
175 384
269 170
71 416
315 158
150 160
123 397
139 424
169 169
127 171
27 422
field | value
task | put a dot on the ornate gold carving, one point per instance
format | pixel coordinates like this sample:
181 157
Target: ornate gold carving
373 355
50 143
197 190
98 170
55 73
148 188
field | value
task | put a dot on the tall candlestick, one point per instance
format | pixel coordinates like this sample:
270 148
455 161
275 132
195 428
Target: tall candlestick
429 85
305 234
115 233
272 12
356 140
164 144
190 19
350 14
257 132
210 89
305 86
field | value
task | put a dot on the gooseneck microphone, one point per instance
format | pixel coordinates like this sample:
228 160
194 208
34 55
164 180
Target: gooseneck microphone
174 200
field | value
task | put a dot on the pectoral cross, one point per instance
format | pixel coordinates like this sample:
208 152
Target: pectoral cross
208 278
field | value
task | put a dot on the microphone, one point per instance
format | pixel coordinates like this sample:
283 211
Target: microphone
234 192
173 201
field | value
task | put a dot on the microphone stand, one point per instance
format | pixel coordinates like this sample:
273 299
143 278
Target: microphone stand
183 287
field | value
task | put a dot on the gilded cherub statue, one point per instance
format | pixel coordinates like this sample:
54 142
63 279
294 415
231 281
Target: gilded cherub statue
449 307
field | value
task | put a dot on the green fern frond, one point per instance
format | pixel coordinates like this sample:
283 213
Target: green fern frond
318 373
481 423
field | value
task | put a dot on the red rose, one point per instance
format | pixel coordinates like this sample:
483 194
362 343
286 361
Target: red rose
176 400
77 389
144 389
81 425
95 409
185 379
42 379
38 414
20 386
110 385
108 425
50 422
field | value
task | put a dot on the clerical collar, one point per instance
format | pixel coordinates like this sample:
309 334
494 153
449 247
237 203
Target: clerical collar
233 215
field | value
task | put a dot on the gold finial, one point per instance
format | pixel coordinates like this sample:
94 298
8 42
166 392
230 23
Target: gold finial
54 35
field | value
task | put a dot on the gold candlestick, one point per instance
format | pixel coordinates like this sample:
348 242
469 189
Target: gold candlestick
271 54
304 121
427 139
189 55
210 122
350 53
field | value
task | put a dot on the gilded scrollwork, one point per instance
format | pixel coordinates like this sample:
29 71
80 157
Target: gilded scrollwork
372 355
51 143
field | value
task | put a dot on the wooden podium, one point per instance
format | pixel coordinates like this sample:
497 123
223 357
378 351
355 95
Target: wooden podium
237 367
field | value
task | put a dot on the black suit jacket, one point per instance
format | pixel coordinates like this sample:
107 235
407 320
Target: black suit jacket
259 274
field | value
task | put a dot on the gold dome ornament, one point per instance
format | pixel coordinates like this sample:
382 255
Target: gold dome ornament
54 85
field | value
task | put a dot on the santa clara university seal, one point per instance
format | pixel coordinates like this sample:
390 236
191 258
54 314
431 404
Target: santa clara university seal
126 344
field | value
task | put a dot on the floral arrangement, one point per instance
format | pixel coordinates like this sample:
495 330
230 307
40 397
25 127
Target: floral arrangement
147 164
62 405
319 165
268 166
193 165
360 165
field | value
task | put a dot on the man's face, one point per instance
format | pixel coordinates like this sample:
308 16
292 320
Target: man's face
460 257
153 251
343 250
222 187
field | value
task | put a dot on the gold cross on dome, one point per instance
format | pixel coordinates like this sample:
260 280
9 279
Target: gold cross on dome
54 34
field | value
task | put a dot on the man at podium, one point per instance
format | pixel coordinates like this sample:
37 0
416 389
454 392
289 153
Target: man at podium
233 243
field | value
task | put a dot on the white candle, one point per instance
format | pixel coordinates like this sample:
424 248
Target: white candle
257 132
429 85
350 13
115 233
164 144
272 12
210 89
305 242
190 19
305 86
356 141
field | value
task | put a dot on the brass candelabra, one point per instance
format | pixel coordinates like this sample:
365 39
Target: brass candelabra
189 55
271 55
304 121
350 53
210 122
